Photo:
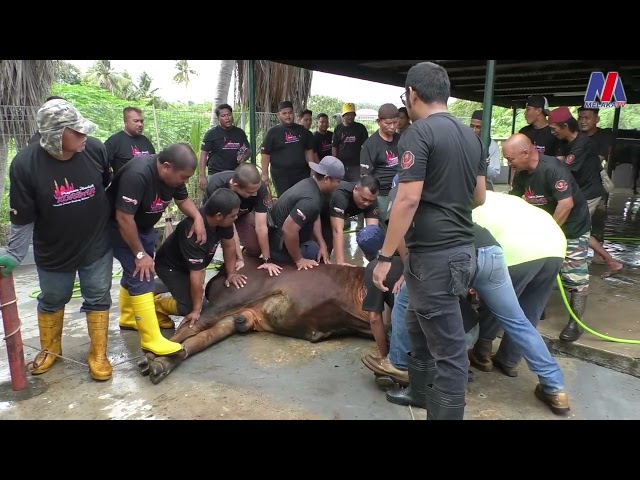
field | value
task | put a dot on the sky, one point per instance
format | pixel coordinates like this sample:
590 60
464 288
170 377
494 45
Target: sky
202 87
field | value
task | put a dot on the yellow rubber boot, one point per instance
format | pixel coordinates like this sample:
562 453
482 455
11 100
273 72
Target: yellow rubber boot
126 321
50 326
166 306
144 311
98 325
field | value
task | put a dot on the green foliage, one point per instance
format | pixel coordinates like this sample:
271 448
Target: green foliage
68 73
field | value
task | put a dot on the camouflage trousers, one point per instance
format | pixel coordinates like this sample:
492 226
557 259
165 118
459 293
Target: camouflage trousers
575 268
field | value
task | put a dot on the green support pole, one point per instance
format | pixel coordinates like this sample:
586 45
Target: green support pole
252 110
513 130
487 105
614 140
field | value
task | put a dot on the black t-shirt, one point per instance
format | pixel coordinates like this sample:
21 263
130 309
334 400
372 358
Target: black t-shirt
581 157
374 298
138 191
122 147
342 205
349 141
483 237
260 202
549 183
303 203
184 254
322 143
287 147
34 139
67 203
603 139
542 138
222 147
380 159
447 156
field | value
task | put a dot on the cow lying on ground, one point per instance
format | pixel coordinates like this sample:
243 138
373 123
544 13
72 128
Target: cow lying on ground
315 304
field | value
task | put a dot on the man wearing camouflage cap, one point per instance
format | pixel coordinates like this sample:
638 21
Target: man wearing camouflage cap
58 194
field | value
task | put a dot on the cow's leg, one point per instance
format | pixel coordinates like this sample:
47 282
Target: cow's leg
161 366
183 333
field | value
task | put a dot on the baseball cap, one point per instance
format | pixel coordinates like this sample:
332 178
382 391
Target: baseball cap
559 115
348 108
538 101
57 114
330 167
370 239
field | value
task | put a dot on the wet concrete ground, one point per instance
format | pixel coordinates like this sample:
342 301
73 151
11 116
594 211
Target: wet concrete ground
264 376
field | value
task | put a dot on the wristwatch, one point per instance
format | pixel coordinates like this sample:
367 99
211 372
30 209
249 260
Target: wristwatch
266 260
383 258
140 255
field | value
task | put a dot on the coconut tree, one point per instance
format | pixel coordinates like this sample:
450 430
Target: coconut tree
183 77
102 75
274 82
222 87
24 86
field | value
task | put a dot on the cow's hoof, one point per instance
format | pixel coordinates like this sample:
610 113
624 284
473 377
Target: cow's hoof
143 365
157 371
241 324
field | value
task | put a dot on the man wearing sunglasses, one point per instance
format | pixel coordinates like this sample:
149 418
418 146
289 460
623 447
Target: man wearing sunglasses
442 175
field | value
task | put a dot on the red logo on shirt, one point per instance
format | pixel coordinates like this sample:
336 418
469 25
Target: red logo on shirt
375 212
408 159
570 159
561 185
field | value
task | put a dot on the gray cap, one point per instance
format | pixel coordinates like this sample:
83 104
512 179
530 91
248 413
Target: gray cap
58 114
330 167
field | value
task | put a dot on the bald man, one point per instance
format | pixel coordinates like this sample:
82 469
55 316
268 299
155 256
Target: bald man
545 182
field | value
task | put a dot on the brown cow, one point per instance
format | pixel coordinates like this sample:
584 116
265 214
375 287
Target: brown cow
313 305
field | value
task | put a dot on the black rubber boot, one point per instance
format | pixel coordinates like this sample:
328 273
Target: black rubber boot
578 304
421 374
441 406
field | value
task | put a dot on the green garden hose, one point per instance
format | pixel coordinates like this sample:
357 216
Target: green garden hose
591 331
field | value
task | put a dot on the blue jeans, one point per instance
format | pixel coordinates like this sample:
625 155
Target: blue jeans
400 344
95 286
309 250
127 260
493 284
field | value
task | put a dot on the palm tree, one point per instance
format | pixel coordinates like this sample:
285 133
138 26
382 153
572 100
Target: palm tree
184 73
24 85
222 88
102 75
274 82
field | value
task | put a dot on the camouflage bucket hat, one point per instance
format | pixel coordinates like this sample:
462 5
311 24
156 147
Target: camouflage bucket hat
55 115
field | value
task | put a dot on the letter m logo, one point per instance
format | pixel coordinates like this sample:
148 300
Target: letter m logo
603 89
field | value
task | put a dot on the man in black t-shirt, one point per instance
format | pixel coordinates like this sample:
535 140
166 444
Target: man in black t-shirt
348 200
181 262
547 183
129 142
251 229
379 155
322 138
580 155
288 150
440 162
537 129
295 218
223 147
140 193
57 194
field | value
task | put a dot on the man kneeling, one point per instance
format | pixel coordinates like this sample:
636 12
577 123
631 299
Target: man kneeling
181 262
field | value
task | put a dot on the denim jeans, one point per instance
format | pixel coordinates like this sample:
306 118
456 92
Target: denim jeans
127 260
400 344
493 284
435 281
95 286
309 250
